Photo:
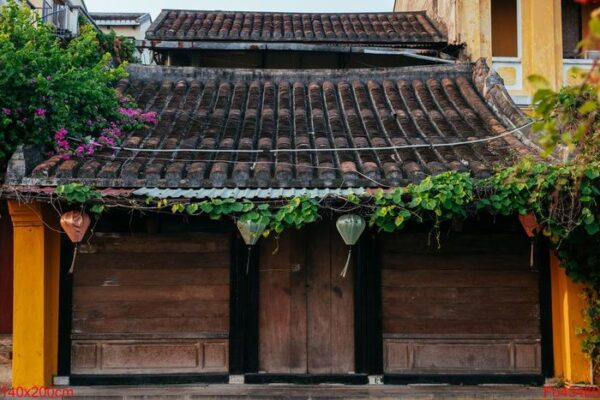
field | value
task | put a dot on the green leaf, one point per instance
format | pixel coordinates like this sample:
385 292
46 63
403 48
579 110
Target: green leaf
592 173
592 229
594 25
399 220
588 107
192 208
538 82
97 209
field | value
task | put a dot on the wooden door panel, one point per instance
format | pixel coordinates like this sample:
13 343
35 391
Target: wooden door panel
306 309
152 304
319 299
282 315
470 307
342 308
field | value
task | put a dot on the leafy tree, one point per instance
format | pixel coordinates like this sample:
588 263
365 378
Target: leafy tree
48 86
120 47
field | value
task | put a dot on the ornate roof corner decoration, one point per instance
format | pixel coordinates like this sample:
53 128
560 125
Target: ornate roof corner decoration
22 162
235 129
491 86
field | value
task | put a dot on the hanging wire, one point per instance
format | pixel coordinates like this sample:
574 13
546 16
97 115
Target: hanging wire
317 150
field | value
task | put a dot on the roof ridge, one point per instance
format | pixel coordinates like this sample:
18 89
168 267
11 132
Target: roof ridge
294 12
139 71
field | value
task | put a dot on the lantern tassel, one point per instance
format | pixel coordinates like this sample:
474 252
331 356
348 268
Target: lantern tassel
74 258
345 270
531 252
248 260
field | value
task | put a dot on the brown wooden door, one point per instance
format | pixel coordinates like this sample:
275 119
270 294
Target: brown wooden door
306 309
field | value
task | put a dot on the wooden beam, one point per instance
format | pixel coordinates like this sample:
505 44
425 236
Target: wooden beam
35 303
367 297
243 328
568 308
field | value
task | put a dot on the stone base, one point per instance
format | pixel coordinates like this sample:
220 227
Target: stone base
5 359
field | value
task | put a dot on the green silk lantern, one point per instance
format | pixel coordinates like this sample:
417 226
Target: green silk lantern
251 231
350 227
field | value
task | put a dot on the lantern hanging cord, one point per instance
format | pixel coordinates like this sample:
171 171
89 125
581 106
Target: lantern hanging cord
345 270
74 258
248 260
275 151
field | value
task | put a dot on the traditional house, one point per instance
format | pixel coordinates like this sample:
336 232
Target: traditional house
129 25
318 105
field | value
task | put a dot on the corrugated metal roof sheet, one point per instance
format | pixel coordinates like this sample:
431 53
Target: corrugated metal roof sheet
226 193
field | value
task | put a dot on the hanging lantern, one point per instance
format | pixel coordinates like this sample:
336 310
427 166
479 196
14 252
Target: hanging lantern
350 227
75 224
251 231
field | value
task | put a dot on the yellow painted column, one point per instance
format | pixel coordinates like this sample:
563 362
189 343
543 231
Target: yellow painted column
475 28
541 41
567 315
35 308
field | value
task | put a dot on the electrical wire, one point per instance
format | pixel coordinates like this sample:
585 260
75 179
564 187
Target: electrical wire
318 150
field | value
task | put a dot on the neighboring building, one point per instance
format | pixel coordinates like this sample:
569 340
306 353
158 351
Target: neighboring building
65 15
289 40
520 37
28 2
130 25
269 106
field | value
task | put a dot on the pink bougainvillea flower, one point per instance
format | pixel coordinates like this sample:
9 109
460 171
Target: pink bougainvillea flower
129 118
40 112
7 111
149 118
61 134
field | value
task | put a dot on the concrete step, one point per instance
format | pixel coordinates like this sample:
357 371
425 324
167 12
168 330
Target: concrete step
302 392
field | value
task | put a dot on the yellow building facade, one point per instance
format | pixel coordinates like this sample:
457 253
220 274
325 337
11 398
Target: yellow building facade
519 38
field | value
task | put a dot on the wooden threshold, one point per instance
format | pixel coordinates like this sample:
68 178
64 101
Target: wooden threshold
464 379
146 379
307 379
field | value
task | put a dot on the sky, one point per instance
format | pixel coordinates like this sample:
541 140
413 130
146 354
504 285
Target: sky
154 6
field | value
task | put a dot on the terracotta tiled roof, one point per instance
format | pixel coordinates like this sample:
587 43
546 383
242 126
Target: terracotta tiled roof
368 28
263 110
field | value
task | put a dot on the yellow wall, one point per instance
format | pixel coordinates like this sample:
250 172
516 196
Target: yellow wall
542 40
470 22
567 315
36 284
464 21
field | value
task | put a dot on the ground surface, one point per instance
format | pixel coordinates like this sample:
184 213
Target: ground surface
296 392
